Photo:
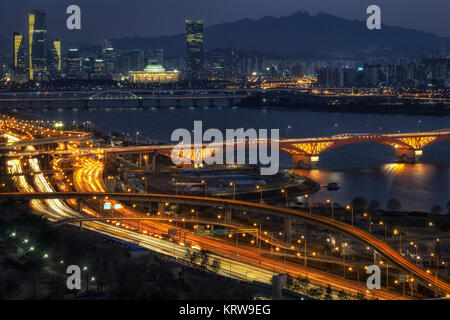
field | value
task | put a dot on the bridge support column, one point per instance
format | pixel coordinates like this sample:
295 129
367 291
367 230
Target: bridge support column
407 155
48 104
154 163
178 103
304 161
158 103
141 103
230 102
211 102
228 216
81 225
288 228
30 104
86 104
161 206
194 102
79 205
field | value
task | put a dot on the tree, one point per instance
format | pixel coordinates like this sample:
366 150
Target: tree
394 205
437 209
359 204
374 205
204 259
342 295
328 293
215 265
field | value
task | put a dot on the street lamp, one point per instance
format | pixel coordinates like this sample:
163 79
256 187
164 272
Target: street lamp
206 188
232 184
399 233
137 134
332 208
385 229
307 196
261 192
365 214
348 207
286 194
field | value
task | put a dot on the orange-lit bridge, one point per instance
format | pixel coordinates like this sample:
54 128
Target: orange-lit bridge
407 146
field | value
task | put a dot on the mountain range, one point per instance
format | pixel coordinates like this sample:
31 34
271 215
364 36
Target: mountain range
298 34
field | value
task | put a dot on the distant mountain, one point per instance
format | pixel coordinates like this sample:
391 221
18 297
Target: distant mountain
296 34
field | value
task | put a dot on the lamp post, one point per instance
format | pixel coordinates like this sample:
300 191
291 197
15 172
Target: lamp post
232 184
137 134
385 230
261 193
286 195
307 196
145 184
399 233
332 208
206 188
348 207
365 214
176 186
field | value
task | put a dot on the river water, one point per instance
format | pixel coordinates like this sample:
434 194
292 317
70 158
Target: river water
365 169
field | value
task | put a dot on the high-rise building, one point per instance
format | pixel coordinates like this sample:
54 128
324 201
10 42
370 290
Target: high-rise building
54 58
73 65
110 60
194 49
37 24
19 64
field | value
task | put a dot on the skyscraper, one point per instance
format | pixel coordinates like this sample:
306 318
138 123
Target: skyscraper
19 57
73 63
37 24
194 49
54 58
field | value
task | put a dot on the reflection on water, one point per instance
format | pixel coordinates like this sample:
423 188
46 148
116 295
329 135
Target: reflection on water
364 169
418 186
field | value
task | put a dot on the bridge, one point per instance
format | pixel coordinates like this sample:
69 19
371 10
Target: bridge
92 99
71 137
407 146
229 205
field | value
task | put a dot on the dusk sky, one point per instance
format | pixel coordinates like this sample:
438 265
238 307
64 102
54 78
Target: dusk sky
103 19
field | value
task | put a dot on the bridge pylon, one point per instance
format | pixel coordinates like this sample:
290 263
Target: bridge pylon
407 155
304 161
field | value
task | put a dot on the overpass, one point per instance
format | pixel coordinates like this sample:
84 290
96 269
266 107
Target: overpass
72 137
228 205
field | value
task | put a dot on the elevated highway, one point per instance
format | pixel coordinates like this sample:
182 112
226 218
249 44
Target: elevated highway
287 214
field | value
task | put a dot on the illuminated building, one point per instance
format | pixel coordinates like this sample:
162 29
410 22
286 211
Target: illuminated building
110 58
154 73
73 63
37 24
54 58
194 49
19 57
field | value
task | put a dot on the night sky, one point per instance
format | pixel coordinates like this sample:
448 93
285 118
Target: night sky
103 19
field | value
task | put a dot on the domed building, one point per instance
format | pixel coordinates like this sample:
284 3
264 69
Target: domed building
154 73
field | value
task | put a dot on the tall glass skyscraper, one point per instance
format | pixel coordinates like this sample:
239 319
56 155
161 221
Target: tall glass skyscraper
37 24
194 49
54 58
19 57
